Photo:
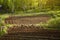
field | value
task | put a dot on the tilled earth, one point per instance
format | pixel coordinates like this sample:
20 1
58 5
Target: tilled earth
26 19
29 32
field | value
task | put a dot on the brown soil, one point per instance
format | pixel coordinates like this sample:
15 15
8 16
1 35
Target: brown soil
29 32
27 19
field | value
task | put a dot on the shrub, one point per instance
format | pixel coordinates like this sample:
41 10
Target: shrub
54 23
2 27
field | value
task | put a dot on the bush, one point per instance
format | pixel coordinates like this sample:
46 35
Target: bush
54 23
54 14
2 27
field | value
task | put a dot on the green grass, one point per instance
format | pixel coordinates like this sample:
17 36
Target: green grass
20 13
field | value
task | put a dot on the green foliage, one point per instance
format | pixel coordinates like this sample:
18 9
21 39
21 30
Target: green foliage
54 23
53 4
26 5
3 28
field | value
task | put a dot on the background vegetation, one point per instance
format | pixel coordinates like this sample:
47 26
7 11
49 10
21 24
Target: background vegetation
29 5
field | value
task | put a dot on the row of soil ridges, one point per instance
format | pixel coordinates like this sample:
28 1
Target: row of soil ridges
30 32
27 19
